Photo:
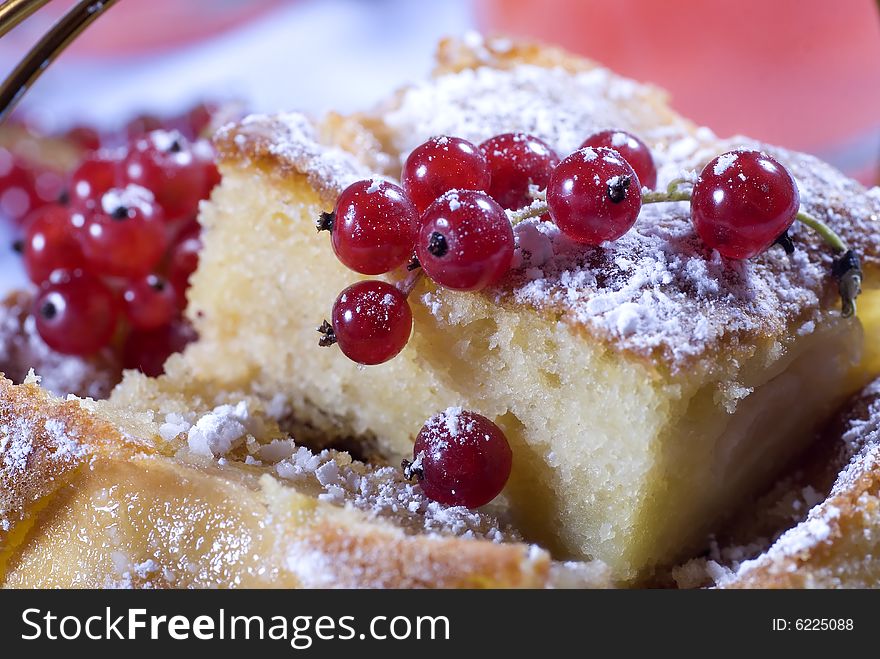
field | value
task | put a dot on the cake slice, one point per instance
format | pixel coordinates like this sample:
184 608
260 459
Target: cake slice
647 387
836 539
85 501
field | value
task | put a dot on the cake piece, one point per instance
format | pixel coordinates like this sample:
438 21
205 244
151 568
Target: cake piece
86 503
647 386
836 540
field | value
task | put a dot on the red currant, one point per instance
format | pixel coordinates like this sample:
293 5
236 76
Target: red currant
164 163
183 262
51 243
461 459
76 313
126 237
371 321
143 124
374 227
594 195
442 164
94 176
150 302
632 149
84 137
742 202
49 186
148 350
465 241
516 161
199 118
18 196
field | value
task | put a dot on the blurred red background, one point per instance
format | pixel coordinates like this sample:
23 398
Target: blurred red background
160 24
800 73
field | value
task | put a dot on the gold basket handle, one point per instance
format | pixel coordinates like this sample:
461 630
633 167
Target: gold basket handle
53 43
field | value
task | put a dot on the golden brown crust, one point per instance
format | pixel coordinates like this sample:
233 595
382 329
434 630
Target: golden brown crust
331 153
42 443
183 522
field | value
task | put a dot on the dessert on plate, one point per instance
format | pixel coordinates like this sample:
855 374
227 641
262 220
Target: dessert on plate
647 386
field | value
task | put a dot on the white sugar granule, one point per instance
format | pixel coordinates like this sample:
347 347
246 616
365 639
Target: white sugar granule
724 162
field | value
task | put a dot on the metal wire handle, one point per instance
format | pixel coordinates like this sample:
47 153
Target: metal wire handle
53 43
13 12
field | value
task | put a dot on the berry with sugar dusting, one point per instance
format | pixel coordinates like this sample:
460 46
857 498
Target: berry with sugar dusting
373 228
76 313
51 243
95 175
126 237
594 195
442 164
517 161
633 150
465 241
371 321
742 202
164 163
150 302
461 458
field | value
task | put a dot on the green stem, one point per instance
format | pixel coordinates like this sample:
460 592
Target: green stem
657 196
849 278
827 233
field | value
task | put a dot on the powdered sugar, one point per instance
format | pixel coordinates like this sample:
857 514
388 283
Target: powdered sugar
24 440
221 430
292 139
131 196
16 444
534 247
382 492
681 299
724 162
619 139
559 107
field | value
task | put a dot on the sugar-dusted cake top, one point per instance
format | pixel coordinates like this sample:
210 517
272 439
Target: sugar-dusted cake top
657 292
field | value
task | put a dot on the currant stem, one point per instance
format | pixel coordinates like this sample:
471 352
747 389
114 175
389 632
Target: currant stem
407 285
846 264
328 336
834 241
658 196
325 221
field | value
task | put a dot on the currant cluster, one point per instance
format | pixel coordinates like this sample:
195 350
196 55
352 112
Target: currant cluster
112 255
448 218
452 217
